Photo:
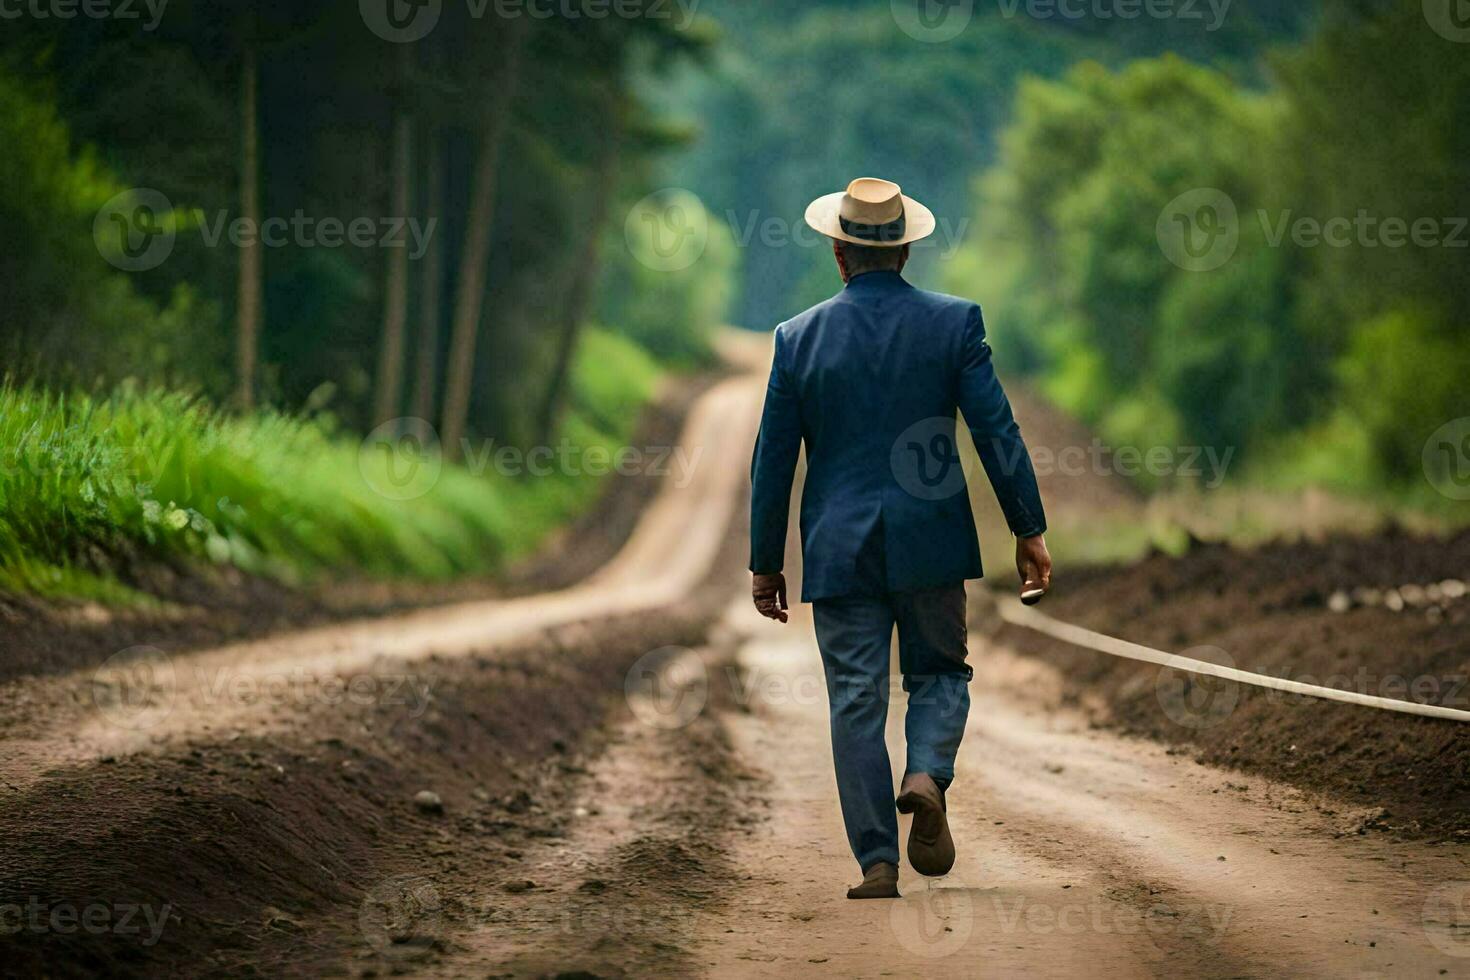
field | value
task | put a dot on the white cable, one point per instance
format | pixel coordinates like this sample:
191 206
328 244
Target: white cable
1032 619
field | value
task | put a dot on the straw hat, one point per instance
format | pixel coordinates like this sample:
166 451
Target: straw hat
873 212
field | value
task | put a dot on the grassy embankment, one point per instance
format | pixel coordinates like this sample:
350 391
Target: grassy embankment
91 485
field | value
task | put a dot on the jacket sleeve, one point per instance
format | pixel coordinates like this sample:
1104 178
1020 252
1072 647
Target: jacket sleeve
772 469
997 437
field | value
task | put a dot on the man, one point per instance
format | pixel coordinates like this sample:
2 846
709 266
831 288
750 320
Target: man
870 380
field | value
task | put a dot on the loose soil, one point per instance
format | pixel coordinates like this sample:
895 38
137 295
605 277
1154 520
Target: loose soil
1268 610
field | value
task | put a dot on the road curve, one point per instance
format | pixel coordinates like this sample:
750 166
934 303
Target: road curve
76 718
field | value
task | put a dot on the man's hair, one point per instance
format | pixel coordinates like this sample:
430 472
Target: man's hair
869 258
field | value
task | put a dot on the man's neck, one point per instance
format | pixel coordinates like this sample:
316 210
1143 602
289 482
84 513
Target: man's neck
875 273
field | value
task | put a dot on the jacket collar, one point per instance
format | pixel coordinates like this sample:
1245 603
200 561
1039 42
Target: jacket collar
879 279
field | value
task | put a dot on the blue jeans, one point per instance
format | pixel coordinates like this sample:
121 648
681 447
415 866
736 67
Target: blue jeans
855 635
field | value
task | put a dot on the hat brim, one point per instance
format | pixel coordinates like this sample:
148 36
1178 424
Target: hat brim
824 215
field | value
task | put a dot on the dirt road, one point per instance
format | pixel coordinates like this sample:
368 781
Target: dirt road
674 815
1081 854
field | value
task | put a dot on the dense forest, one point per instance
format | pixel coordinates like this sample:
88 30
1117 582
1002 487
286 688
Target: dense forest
1049 146
1326 339
475 169
241 234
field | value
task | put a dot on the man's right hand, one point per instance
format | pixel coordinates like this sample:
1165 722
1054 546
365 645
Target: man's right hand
1033 562
769 594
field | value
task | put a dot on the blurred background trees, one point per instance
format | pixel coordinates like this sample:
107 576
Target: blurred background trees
548 151
1049 145
1323 359
523 138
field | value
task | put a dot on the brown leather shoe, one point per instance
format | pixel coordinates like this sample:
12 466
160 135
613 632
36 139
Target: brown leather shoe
879 881
931 848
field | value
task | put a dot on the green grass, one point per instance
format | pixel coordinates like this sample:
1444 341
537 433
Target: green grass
90 484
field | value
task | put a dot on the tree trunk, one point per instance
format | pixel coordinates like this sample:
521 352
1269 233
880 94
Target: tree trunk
584 281
247 293
395 291
470 292
431 281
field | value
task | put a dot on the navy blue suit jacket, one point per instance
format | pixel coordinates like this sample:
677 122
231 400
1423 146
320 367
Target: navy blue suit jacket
870 380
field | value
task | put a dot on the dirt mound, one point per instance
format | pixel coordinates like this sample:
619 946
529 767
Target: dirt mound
244 853
1352 613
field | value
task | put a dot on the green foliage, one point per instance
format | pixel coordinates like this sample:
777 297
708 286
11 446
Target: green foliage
89 485
63 309
1282 348
1402 377
672 267
113 106
612 381
1131 341
805 97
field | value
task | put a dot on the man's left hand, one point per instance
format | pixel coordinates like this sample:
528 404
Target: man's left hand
769 595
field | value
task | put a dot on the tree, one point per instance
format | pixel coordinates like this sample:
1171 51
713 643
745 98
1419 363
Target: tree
431 279
603 185
499 94
395 292
248 285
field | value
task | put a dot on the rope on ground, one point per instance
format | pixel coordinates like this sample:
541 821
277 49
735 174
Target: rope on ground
1039 622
